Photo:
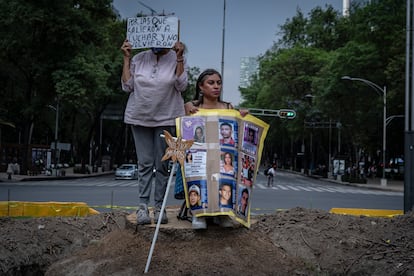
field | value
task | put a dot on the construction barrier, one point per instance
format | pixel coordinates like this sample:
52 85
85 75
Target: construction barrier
44 209
366 212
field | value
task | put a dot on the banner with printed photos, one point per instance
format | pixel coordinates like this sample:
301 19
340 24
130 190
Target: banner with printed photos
220 168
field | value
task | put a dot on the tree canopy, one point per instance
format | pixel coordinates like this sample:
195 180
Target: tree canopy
304 69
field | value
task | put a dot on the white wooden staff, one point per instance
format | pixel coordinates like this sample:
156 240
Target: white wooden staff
176 151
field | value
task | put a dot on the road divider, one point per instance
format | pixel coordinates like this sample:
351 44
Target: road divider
44 209
367 212
52 208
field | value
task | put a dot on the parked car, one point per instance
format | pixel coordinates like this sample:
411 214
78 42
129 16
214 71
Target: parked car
127 171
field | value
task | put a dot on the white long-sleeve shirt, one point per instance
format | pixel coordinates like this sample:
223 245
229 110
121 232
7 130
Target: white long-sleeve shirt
154 90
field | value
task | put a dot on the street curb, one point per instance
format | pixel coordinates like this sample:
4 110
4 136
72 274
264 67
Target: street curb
367 186
45 178
64 177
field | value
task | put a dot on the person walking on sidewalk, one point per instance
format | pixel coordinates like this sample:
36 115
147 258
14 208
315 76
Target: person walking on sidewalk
270 175
155 80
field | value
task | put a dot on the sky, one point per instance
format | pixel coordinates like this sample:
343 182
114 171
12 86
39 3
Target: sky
250 29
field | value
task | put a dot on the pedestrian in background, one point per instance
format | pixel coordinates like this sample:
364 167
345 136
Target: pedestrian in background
270 175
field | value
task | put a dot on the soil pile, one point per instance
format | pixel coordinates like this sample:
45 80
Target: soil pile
292 242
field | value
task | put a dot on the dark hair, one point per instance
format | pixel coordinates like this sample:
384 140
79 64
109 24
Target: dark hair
231 157
227 124
198 97
188 154
195 133
226 184
245 191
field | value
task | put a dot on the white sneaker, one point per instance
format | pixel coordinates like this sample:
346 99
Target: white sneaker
199 223
143 215
157 214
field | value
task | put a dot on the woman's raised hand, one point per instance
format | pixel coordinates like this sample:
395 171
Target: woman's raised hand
126 48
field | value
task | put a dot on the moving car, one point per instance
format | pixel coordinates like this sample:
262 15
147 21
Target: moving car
127 171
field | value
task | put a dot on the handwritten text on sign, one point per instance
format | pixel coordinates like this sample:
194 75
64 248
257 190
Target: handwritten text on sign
152 31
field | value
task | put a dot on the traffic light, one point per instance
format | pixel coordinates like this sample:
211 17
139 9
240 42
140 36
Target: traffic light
287 114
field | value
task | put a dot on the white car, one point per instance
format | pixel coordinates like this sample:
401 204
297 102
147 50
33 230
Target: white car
127 171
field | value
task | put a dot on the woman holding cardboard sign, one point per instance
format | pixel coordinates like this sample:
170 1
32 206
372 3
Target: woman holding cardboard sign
154 79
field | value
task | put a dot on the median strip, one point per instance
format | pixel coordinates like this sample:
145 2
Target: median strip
366 212
44 209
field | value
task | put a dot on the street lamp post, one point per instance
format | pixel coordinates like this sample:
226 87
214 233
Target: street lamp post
382 92
56 109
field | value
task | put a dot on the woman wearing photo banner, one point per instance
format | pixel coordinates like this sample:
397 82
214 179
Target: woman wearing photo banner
208 93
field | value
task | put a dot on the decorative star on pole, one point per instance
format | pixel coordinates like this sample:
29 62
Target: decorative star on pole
176 148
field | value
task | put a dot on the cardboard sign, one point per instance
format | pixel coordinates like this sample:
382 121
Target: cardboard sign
221 167
152 31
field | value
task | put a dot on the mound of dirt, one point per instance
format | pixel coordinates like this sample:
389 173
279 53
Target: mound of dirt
291 242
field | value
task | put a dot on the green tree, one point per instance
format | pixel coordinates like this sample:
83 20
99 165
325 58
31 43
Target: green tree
311 57
374 51
39 40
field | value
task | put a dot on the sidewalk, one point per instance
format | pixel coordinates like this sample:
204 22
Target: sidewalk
372 183
42 177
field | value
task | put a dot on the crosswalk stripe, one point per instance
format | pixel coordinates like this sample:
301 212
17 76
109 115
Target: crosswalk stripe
305 189
282 187
329 190
315 189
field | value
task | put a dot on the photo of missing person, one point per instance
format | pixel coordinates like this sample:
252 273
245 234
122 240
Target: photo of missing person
227 133
194 196
199 136
189 157
197 194
243 203
248 167
226 195
192 128
251 136
226 164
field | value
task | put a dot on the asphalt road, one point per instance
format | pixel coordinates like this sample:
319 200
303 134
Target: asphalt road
289 191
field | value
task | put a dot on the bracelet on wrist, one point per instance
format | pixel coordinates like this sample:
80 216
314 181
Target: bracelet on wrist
180 59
